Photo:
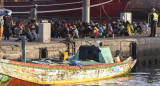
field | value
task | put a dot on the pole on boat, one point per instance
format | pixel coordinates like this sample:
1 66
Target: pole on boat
86 11
23 38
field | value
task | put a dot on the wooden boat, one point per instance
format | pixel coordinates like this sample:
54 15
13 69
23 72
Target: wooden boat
64 72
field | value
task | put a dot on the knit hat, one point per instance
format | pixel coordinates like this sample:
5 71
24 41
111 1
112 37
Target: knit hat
117 52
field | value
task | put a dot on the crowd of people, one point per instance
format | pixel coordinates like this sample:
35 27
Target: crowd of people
17 29
9 28
79 29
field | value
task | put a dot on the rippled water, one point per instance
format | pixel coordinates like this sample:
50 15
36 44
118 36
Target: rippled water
142 77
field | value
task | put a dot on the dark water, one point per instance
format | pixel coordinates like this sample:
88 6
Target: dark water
142 77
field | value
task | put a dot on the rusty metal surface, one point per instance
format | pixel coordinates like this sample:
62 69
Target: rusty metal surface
144 4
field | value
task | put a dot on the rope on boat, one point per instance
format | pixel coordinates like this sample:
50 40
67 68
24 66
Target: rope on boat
47 5
89 42
51 11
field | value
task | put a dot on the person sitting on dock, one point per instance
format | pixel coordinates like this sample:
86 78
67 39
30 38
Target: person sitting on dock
144 27
134 24
100 31
17 29
139 28
95 32
110 32
75 32
129 30
25 32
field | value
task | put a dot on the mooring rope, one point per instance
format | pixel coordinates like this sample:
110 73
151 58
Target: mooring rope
47 5
105 11
51 11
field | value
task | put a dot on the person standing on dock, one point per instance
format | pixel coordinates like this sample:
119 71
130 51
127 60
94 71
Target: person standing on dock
1 27
33 14
7 25
153 20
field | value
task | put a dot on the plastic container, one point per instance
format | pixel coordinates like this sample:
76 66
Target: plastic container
117 59
65 55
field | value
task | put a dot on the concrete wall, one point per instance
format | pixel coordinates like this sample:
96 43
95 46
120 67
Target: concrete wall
146 50
32 51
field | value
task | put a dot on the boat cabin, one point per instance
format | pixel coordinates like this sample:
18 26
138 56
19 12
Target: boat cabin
86 55
93 53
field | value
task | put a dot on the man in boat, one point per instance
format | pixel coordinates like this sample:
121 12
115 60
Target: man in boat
33 14
7 25
153 16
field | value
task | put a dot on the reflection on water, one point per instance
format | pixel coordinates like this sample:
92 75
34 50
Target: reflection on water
142 77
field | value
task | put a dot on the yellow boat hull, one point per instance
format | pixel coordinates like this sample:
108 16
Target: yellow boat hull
55 74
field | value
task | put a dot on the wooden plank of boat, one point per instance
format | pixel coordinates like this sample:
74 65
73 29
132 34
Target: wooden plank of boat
18 82
65 74
9 81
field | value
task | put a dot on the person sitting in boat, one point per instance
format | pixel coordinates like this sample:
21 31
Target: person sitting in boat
118 57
